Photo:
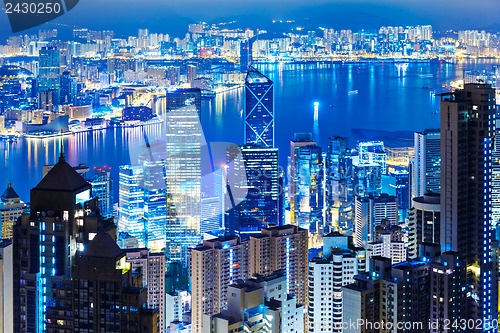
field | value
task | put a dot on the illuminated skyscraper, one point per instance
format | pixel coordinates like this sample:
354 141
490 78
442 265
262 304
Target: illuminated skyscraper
369 213
184 139
245 55
49 72
102 188
62 220
152 161
338 196
367 180
306 183
467 133
259 209
372 152
214 265
426 168
131 230
259 109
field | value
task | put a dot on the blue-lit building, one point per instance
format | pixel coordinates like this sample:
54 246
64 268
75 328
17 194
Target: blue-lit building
62 220
102 188
306 184
153 184
367 179
256 172
49 76
338 182
245 55
372 152
259 109
467 135
426 164
131 224
184 140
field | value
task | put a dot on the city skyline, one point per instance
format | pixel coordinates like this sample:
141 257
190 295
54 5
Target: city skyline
294 168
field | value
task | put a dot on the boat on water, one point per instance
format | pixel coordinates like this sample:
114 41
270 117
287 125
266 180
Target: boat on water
352 92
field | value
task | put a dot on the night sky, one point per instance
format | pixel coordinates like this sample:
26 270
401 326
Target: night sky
172 16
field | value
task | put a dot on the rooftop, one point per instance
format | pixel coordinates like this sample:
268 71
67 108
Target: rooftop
62 177
9 193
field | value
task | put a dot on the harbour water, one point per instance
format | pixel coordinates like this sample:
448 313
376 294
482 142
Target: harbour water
379 95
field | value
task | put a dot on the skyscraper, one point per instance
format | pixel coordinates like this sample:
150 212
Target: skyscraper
103 294
102 188
245 55
184 139
152 267
327 275
259 109
61 222
372 152
369 213
338 196
306 184
152 161
259 209
426 167
214 265
49 72
131 229
467 132
282 248
11 207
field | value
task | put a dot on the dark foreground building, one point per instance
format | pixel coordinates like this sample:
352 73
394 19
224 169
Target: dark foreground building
53 242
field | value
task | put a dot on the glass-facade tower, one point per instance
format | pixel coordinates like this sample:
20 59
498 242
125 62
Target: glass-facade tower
184 139
259 109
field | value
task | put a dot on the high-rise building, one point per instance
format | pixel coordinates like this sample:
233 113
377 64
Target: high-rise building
102 188
210 215
467 133
49 72
495 182
153 184
372 152
62 220
215 264
282 247
402 190
340 263
218 263
260 183
426 166
190 73
306 184
259 109
11 207
69 88
261 304
184 139
152 267
245 55
369 213
131 230
104 294
367 179
338 172
425 222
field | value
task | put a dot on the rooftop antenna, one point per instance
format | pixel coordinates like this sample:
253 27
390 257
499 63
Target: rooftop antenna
61 156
